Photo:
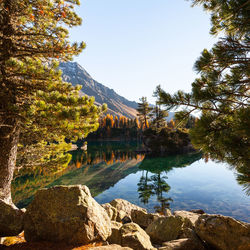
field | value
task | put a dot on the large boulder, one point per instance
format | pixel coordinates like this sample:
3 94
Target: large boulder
182 244
11 220
68 214
222 232
189 217
165 229
135 237
142 218
124 208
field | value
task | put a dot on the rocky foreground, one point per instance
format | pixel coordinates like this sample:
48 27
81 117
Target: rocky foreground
69 215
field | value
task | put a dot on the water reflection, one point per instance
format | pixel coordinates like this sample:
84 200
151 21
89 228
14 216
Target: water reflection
113 170
243 178
101 167
81 158
156 184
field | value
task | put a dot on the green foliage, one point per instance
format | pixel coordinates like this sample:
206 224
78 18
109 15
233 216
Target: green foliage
184 120
231 16
221 93
167 141
159 118
33 40
144 111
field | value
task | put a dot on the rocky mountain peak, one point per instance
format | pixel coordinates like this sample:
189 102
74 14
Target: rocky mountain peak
117 105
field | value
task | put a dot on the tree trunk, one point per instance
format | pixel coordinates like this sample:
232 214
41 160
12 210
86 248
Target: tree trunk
9 126
9 135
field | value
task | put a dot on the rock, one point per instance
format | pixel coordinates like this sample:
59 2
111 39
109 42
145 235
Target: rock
68 214
11 220
111 247
142 218
126 220
190 234
165 229
187 233
222 232
2 239
115 237
167 212
111 211
120 215
181 244
189 217
126 207
129 235
135 237
164 212
197 211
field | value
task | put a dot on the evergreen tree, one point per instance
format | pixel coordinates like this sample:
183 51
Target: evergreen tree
116 122
221 92
136 123
37 109
159 118
144 111
171 124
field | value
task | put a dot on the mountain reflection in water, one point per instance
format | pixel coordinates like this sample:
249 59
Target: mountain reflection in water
103 165
115 170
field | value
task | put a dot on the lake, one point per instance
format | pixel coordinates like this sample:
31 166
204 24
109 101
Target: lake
117 170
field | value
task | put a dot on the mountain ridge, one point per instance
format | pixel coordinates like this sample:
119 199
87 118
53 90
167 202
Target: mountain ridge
117 105
74 73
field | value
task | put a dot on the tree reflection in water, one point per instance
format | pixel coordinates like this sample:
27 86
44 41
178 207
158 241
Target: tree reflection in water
87 168
156 184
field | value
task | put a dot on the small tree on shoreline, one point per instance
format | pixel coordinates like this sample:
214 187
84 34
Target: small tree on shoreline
144 111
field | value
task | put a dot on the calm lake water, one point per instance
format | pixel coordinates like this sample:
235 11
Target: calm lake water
115 170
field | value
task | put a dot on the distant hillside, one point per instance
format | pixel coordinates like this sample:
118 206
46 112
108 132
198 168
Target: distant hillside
117 105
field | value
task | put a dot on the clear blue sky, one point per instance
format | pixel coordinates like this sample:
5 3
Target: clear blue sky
134 45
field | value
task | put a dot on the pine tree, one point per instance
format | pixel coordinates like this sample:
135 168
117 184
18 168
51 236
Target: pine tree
171 124
121 121
116 122
136 123
37 109
221 92
159 118
112 121
144 111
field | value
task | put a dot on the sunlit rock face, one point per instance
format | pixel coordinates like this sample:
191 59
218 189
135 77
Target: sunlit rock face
222 232
165 229
132 235
68 214
126 206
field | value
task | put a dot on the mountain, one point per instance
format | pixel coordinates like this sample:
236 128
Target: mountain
117 105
